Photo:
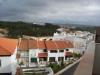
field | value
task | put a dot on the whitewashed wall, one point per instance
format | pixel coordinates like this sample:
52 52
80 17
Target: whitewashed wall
5 64
58 54
32 53
14 62
8 64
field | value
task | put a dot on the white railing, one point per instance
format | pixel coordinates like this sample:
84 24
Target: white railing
60 54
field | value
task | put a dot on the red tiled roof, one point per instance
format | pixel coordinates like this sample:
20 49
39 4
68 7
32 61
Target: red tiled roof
7 46
50 45
41 44
27 44
68 54
4 51
69 44
32 44
42 55
23 44
61 44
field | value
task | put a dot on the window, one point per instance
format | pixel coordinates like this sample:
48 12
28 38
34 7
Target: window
33 59
67 49
44 50
52 59
24 54
61 50
53 51
42 59
60 58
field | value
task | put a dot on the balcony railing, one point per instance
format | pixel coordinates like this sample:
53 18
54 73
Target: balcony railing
24 55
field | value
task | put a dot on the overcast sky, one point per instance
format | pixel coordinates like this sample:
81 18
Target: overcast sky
54 11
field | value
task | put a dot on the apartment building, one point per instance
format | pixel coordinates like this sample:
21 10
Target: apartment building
34 52
80 39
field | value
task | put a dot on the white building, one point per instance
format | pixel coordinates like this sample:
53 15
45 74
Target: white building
40 52
8 56
79 39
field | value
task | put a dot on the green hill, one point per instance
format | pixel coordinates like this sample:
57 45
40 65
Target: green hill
17 29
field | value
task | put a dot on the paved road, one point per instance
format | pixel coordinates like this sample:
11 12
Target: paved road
71 70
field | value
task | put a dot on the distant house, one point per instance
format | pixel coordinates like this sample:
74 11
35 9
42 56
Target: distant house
80 39
40 52
8 56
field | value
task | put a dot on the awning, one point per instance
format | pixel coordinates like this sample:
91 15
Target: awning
68 54
42 55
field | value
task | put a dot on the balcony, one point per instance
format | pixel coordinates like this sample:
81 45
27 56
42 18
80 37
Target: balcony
24 54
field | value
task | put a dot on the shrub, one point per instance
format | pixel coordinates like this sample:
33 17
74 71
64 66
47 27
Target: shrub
56 67
77 55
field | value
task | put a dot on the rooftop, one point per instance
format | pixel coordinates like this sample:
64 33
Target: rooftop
7 46
26 44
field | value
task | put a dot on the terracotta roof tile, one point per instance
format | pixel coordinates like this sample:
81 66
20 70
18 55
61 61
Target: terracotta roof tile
24 44
27 44
50 45
41 44
7 46
32 44
4 51
61 44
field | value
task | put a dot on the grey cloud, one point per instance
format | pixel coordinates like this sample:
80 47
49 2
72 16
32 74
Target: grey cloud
56 11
